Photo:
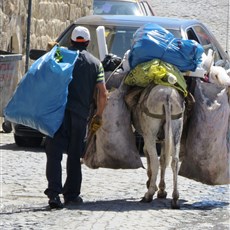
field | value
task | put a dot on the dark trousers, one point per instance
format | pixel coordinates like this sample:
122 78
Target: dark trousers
70 139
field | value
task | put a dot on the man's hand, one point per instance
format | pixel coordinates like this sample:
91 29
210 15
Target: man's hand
96 123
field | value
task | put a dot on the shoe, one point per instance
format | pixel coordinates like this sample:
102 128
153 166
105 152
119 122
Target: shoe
55 203
76 201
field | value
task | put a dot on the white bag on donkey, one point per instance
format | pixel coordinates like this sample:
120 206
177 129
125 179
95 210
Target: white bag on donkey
113 146
207 146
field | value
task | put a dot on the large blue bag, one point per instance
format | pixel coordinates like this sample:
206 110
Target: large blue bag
39 100
153 41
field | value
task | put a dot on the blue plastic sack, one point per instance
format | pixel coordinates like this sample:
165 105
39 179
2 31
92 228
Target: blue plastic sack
153 41
39 100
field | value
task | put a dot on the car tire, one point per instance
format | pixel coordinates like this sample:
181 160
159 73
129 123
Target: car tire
27 141
6 127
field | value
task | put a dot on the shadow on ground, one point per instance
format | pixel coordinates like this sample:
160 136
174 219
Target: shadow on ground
120 205
14 147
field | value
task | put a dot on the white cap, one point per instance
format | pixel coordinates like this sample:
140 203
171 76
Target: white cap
81 32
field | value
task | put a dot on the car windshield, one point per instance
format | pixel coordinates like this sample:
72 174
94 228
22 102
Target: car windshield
116 7
118 38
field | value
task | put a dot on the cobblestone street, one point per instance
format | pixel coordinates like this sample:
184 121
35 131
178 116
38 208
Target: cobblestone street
111 198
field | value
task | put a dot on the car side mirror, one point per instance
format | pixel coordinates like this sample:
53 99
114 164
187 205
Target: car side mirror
35 54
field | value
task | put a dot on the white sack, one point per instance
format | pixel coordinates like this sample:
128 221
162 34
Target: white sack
114 146
207 146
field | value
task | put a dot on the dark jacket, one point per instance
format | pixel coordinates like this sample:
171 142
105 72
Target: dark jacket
88 71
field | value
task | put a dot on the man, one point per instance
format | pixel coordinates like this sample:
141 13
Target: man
88 75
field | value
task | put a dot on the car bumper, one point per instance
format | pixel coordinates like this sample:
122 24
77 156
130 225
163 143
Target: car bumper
24 131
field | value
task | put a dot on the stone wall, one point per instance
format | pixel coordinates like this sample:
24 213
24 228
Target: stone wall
49 18
215 14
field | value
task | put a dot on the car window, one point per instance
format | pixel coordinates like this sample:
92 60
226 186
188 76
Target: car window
203 37
65 39
93 45
118 38
198 34
116 8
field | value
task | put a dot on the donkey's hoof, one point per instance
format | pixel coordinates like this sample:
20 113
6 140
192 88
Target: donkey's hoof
175 204
162 194
145 200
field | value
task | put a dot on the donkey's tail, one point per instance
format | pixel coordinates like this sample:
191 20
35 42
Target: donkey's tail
168 131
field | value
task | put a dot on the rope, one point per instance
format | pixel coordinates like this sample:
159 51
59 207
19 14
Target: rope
114 71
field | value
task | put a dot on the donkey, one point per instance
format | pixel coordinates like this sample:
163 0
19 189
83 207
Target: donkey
160 109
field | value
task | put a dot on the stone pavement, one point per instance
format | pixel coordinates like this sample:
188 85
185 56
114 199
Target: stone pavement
111 198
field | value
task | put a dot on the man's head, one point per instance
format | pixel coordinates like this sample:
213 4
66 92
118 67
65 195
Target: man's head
80 35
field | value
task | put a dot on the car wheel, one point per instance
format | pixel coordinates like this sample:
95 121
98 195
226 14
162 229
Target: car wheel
27 141
6 127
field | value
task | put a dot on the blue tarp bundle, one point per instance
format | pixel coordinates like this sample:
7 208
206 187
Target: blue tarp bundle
153 41
40 98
